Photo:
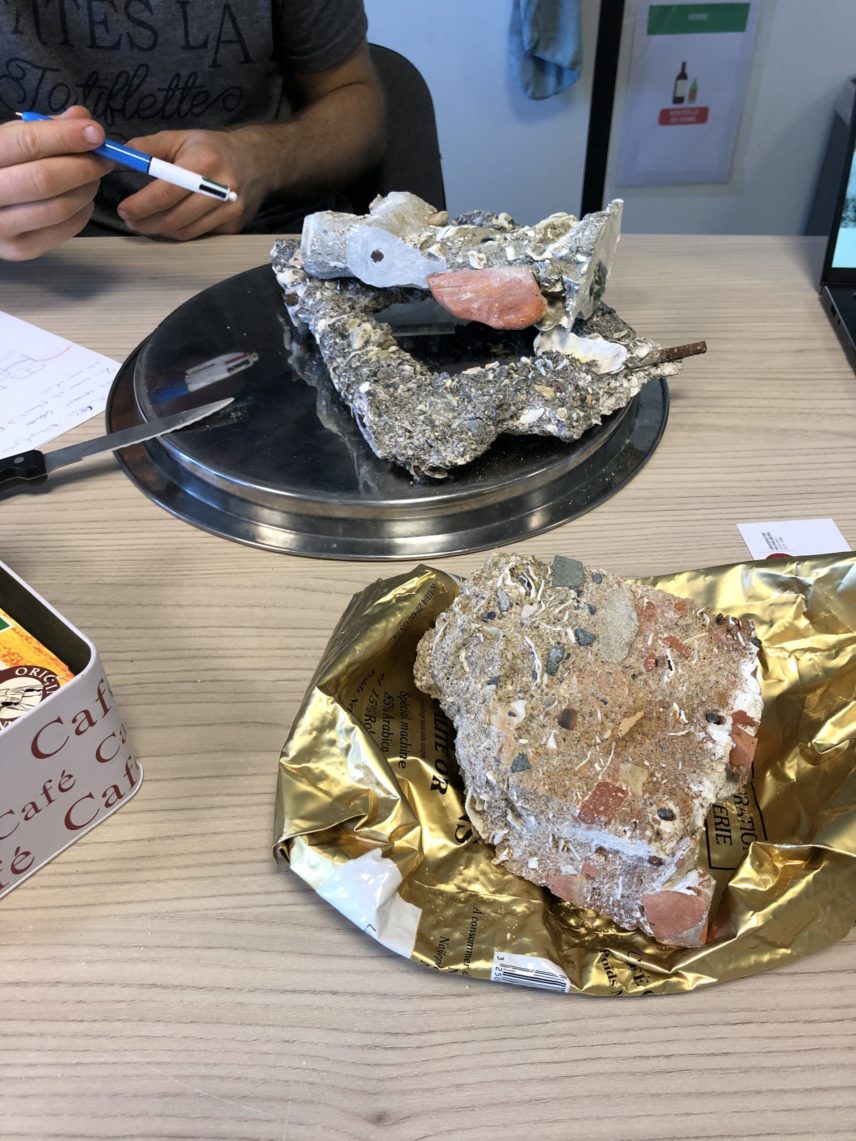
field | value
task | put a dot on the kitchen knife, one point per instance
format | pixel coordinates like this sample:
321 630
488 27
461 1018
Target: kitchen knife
34 466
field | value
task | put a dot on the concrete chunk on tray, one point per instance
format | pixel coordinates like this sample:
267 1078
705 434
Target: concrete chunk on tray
429 416
403 239
335 244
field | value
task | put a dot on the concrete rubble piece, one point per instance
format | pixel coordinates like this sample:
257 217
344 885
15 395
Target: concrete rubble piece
579 361
597 720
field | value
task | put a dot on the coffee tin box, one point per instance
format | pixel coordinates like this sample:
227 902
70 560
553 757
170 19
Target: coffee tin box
65 761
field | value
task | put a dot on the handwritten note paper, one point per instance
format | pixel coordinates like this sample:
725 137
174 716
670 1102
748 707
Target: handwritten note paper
47 385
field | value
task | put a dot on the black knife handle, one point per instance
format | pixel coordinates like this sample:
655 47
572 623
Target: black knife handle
25 467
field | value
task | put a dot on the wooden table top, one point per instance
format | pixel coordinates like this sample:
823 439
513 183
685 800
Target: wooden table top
164 978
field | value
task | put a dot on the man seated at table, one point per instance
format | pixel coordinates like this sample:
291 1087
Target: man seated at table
275 98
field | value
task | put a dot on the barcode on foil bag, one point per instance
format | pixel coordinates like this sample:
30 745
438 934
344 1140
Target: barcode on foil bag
528 970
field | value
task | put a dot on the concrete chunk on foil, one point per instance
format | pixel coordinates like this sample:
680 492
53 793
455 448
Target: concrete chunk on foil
429 422
404 239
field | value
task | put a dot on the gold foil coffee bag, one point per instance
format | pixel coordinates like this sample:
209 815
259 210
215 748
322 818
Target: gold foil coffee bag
370 812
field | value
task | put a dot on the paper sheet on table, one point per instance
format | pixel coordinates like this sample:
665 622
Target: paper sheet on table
47 385
785 538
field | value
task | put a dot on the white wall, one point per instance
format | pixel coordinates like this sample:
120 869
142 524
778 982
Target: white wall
804 52
502 151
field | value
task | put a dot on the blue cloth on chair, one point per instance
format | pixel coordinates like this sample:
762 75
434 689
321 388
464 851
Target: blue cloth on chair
545 45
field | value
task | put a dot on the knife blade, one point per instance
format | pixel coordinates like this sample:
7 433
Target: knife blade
34 466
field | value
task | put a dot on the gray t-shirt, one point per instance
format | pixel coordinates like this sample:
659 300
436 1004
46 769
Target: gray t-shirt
142 66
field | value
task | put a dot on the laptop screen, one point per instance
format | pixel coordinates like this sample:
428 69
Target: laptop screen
844 250
839 265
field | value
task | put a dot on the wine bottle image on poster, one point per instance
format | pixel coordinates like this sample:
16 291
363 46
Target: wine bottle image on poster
679 90
689 69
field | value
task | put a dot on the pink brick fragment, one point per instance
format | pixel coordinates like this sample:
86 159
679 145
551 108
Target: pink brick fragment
504 298
677 917
602 803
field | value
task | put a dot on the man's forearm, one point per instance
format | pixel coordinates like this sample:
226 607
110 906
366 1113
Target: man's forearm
323 146
337 133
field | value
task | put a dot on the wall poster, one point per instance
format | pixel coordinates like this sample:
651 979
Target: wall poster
689 69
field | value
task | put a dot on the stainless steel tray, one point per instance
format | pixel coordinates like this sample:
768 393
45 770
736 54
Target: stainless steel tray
286 468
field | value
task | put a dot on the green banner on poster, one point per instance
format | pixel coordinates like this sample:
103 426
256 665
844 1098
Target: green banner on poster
695 19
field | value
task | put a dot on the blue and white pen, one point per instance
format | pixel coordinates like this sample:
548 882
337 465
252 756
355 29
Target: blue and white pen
148 164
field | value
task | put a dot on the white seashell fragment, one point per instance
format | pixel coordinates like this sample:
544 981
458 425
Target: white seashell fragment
530 416
606 356
517 709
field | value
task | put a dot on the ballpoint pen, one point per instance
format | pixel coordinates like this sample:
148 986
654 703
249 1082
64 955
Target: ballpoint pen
148 164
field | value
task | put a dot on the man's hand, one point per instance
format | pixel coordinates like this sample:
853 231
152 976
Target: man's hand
47 182
227 157
336 132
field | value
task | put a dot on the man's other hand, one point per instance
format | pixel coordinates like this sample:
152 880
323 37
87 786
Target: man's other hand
163 210
47 182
